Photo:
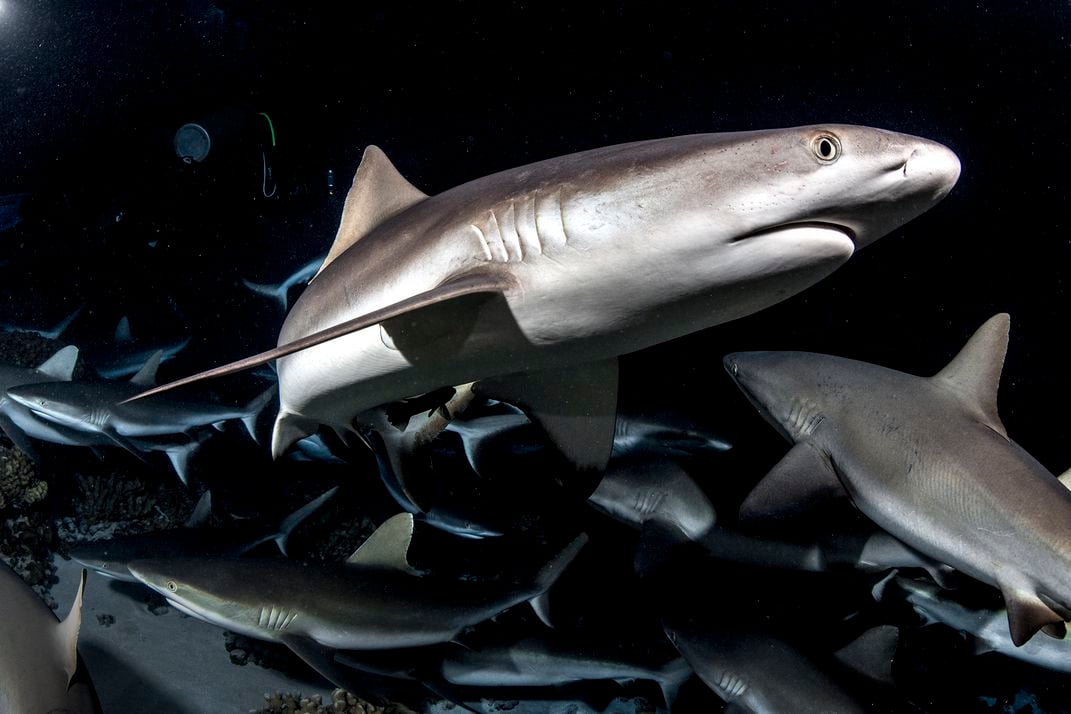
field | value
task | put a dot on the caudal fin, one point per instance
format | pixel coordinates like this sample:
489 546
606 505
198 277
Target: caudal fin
550 572
288 524
254 408
274 292
670 678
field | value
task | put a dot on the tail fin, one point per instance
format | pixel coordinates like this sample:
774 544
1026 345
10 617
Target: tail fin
670 678
550 572
288 524
275 292
253 410
62 326
548 575
181 454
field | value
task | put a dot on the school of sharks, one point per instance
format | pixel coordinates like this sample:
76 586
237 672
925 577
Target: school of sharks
462 342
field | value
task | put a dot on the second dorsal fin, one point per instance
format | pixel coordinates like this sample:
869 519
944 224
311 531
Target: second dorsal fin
378 193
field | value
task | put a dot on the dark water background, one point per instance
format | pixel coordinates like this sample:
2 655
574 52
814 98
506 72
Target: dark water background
91 94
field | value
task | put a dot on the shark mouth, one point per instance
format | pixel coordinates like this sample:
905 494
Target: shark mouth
786 227
184 609
761 408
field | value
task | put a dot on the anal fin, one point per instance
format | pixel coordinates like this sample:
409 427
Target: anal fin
801 481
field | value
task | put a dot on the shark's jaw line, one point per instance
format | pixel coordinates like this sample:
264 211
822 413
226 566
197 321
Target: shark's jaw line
783 227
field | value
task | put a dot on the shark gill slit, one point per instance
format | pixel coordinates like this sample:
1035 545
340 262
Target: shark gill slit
275 618
649 502
525 225
495 238
507 228
483 242
550 223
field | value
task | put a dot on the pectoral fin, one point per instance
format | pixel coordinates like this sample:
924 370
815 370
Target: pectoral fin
469 284
67 632
577 407
872 654
125 443
322 659
802 480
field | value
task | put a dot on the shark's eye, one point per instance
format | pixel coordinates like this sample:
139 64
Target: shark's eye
171 586
826 148
735 369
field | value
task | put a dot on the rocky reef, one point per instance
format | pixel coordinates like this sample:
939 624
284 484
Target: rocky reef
341 702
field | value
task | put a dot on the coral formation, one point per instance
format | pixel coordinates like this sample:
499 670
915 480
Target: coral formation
28 349
342 702
26 542
270 655
20 484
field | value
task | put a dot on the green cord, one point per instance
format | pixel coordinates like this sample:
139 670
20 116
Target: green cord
270 126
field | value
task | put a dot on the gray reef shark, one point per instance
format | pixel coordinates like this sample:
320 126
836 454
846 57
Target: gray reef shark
560 266
634 488
554 661
502 427
97 408
989 628
635 491
928 460
39 665
111 557
127 355
758 673
52 333
15 418
280 292
373 601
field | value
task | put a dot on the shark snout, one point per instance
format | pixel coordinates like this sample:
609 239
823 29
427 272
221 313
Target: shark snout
934 165
21 398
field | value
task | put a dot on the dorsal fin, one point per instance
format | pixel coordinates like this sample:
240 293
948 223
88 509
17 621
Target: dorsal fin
388 546
122 330
378 192
146 376
201 512
67 632
61 364
974 374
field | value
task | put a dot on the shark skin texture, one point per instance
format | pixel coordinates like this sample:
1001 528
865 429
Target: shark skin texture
552 266
928 460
